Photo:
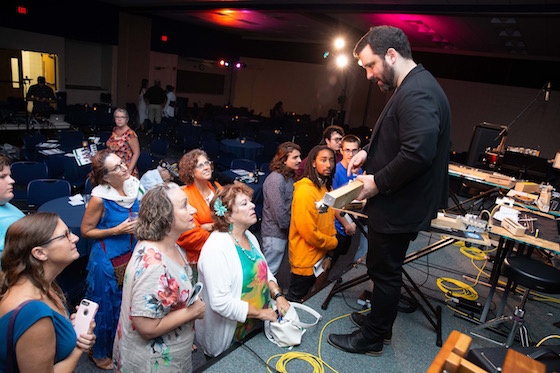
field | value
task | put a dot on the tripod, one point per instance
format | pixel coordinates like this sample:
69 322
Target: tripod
435 319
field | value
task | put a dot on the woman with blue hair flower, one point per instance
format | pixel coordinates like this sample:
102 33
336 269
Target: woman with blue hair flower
238 285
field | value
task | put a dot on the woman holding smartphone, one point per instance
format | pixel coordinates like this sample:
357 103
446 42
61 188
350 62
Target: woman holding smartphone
155 331
38 248
109 222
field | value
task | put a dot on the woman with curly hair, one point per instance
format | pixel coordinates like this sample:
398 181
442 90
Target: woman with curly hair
155 331
238 285
278 190
195 170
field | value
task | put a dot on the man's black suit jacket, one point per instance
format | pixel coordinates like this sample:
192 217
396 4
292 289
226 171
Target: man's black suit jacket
409 156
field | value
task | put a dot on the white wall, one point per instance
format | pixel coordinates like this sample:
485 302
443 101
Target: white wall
474 103
211 67
303 88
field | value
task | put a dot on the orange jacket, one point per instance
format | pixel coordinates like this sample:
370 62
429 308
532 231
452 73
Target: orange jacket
311 234
192 241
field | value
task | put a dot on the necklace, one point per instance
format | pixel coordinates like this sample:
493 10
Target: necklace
253 257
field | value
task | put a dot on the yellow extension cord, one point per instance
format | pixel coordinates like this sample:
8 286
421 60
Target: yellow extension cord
315 361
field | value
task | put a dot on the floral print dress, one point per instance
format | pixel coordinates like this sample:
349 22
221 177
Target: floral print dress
154 286
121 147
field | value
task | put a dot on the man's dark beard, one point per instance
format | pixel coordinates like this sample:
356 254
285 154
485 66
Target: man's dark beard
388 78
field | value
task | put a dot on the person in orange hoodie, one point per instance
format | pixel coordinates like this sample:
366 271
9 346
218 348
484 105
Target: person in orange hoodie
312 233
195 170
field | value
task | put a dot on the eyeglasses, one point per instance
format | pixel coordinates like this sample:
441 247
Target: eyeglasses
204 164
118 168
351 151
337 139
120 117
67 234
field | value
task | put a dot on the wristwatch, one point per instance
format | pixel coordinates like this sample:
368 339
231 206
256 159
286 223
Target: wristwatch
278 294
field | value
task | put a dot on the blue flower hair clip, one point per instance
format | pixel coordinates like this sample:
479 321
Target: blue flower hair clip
219 208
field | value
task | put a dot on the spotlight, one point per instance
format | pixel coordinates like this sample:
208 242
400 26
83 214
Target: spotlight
222 63
341 61
326 54
238 65
339 43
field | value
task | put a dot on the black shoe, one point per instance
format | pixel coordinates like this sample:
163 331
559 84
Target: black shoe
358 319
355 343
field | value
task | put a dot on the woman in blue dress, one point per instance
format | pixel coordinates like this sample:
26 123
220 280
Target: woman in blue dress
109 221
38 248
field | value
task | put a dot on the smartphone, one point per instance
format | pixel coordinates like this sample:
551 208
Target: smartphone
86 313
197 288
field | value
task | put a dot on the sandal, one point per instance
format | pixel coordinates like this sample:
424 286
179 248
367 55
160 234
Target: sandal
105 363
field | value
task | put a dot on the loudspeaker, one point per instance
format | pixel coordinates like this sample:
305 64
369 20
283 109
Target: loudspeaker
484 136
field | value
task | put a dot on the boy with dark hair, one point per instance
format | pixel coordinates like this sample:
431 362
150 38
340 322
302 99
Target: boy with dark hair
345 227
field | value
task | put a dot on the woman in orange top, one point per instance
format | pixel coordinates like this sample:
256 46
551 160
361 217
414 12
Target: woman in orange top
195 170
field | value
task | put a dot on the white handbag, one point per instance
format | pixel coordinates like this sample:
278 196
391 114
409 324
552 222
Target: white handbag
289 330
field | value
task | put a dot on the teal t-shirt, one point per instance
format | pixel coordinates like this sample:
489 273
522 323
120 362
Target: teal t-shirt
30 313
8 214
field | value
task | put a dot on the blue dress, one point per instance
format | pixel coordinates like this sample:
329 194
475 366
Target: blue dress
30 313
101 281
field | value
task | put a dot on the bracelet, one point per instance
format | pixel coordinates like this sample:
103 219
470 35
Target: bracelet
279 294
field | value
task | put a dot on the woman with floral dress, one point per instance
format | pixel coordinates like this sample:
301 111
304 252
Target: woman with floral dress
155 331
238 285
124 141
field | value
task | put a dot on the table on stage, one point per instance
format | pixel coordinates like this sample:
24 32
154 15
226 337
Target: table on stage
72 216
548 240
494 181
242 148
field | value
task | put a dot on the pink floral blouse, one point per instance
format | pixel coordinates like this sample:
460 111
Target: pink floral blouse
121 147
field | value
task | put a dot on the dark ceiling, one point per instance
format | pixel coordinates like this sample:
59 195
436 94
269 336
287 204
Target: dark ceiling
520 29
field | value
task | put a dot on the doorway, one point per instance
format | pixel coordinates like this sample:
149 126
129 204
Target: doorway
19 70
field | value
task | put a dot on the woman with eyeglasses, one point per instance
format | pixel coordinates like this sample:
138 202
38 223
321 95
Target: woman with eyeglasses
195 170
37 249
124 141
109 221
155 331
239 288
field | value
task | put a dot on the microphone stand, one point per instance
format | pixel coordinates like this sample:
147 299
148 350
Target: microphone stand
504 131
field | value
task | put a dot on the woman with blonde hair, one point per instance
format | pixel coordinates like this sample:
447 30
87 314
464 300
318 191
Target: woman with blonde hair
124 141
38 248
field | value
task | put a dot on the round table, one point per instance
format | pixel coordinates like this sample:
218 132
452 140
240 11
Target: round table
246 149
73 279
72 216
